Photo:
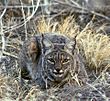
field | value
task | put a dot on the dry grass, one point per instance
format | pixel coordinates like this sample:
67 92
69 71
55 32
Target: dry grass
67 26
96 49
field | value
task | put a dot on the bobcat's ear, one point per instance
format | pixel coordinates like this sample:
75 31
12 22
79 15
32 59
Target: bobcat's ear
33 49
72 44
46 42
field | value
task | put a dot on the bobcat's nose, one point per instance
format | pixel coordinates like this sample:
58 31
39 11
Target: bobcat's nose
58 70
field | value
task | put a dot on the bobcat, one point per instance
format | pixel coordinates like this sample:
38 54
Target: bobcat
47 59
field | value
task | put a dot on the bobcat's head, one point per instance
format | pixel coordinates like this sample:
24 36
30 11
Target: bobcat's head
55 58
58 59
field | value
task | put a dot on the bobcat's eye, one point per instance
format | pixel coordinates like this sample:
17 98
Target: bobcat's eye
65 61
51 60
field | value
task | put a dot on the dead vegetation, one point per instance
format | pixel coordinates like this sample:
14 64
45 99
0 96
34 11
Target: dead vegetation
92 44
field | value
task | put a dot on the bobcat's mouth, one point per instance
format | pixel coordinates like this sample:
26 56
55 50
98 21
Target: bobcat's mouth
58 76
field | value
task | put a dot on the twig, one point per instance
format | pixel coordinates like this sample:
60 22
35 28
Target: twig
2 37
24 17
26 20
6 53
27 6
103 95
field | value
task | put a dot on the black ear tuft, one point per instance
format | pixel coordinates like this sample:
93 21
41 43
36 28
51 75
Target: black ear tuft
74 40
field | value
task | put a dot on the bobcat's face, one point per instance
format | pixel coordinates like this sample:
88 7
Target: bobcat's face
57 65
